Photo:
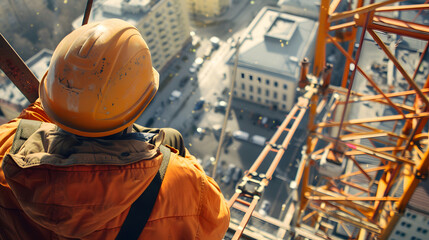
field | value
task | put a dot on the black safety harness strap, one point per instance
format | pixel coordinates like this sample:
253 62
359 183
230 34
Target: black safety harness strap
25 129
140 210
142 207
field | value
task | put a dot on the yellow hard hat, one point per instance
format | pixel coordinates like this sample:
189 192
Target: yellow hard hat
100 79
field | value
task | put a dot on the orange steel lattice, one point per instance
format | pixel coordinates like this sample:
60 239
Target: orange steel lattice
363 162
365 158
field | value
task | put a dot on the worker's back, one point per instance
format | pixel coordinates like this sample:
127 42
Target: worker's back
63 186
77 176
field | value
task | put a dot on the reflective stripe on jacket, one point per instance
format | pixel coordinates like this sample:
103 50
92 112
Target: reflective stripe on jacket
61 186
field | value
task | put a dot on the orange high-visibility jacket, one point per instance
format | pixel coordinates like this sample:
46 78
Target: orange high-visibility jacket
59 186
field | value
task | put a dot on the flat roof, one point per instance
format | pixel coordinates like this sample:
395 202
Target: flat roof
275 42
131 11
39 63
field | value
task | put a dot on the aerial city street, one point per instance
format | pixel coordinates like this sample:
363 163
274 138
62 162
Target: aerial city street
211 82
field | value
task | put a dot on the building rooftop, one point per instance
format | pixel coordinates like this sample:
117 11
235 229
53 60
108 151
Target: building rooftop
419 200
276 42
305 8
39 63
129 10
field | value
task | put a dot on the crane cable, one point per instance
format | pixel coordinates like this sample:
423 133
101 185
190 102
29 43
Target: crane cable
225 120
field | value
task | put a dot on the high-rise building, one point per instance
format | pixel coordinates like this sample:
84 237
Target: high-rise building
208 8
164 24
269 58
414 222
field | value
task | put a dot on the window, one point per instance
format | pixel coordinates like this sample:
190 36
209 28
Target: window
235 93
243 95
250 77
259 79
259 99
284 106
242 75
243 86
259 90
284 97
157 15
284 86
266 101
251 88
267 92
267 81
276 84
235 84
251 97
275 95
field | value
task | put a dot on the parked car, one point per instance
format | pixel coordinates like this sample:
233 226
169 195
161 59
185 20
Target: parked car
175 95
192 69
221 106
215 42
199 105
228 174
265 207
196 65
241 135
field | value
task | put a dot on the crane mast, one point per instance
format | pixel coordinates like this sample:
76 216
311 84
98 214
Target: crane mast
366 149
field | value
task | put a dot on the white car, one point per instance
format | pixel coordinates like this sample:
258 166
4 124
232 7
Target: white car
242 135
196 65
175 95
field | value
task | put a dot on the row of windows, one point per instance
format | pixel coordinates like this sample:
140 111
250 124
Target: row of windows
419 229
267 81
259 91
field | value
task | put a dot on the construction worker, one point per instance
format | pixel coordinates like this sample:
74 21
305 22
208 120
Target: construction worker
79 171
